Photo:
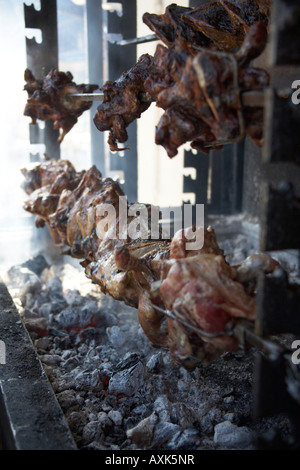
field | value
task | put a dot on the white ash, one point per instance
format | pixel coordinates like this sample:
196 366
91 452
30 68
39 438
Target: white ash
230 435
116 390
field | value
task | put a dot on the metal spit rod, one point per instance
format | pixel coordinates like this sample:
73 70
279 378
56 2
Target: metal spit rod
145 97
141 40
87 96
243 330
249 98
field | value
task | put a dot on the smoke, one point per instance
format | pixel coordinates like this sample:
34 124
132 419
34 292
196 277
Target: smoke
19 238
15 225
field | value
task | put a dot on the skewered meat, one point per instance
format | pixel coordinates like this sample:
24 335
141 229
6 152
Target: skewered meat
47 173
123 102
167 67
246 271
203 103
219 25
44 183
199 89
206 292
73 219
170 26
203 291
197 284
47 99
226 22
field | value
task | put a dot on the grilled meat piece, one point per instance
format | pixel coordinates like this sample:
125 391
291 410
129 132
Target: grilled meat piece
194 282
247 12
199 90
202 290
179 247
212 19
202 100
170 26
217 25
167 67
123 102
48 99
211 295
252 265
55 173
44 183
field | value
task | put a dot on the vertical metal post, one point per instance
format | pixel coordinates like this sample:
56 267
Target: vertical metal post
219 176
122 58
94 21
42 57
278 302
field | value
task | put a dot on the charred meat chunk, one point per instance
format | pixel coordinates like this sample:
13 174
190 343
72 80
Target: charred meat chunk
201 94
199 89
48 99
219 25
170 26
123 102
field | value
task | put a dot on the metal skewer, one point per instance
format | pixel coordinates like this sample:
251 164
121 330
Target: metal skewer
87 96
144 97
176 316
141 40
249 98
243 330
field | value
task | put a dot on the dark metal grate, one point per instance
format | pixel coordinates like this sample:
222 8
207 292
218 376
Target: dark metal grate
279 301
219 179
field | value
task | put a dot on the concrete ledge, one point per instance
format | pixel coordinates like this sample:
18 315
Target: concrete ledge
30 416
